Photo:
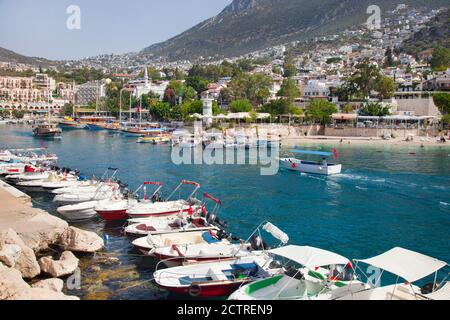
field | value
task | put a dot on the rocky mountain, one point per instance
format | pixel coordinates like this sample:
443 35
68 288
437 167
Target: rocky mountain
11 56
249 25
437 32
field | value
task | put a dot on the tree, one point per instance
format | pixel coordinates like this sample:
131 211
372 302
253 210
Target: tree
289 90
18 114
440 59
375 109
280 107
67 109
442 101
385 87
320 111
389 61
347 91
365 77
198 83
348 108
253 87
242 105
162 111
290 70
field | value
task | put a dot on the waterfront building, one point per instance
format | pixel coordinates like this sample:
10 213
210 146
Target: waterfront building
90 91
145 86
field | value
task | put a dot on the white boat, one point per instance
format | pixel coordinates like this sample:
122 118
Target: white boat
182 222
86 210
322 275
78 212
5 155
116 210
53 179
101 193
28 176
215 279
409 267
168 207
172 224
176 255
321 168
151 242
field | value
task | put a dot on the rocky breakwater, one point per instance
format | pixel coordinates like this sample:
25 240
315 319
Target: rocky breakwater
26 232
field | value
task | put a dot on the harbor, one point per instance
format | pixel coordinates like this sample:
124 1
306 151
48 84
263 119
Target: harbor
336 213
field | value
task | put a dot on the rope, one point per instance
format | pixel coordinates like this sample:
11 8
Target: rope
136 285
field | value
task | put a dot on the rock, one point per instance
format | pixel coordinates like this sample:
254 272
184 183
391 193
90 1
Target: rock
45 294
75 239
54 284
26 263
11 283
9 254
66 265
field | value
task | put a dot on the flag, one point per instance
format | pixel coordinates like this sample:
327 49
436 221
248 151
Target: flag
335 153
139 108
294 166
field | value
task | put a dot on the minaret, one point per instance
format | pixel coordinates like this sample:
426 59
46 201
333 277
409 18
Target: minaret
146 76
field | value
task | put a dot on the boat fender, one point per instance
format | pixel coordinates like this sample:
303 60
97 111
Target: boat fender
195 290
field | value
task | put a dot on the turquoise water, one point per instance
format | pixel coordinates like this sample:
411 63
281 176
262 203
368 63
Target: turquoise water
387 196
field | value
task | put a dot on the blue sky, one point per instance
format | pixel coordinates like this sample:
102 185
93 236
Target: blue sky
38 27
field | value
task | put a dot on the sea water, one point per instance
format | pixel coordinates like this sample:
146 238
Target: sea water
386 196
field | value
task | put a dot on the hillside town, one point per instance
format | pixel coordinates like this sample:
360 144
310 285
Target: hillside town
359 78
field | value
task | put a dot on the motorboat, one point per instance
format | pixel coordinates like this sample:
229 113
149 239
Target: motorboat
68 123
170 225
321 168
180 223
161 139
118 210
152 242
90 186
169 207
30 173
321 275
176 255
78 212
102 192
409 268
215 279
53 178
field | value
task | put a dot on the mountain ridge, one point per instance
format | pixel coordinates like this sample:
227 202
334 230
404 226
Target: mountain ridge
249 25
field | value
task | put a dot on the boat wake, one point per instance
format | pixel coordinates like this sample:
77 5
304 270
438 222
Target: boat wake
361 188
445 204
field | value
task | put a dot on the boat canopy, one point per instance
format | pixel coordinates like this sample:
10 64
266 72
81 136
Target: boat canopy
312 152
276 232
409 265
310 257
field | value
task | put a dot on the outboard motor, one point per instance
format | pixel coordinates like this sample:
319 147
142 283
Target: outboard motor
222 234
211 218
294 273
258 243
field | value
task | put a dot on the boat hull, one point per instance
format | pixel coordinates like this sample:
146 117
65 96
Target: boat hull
112 215
206 290
310 167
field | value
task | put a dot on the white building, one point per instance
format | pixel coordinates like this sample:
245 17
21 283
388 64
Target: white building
145 86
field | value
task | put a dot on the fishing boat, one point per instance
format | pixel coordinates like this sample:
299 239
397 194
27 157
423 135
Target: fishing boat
409 268
215 279
321 168
46 130
169 207
321 275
